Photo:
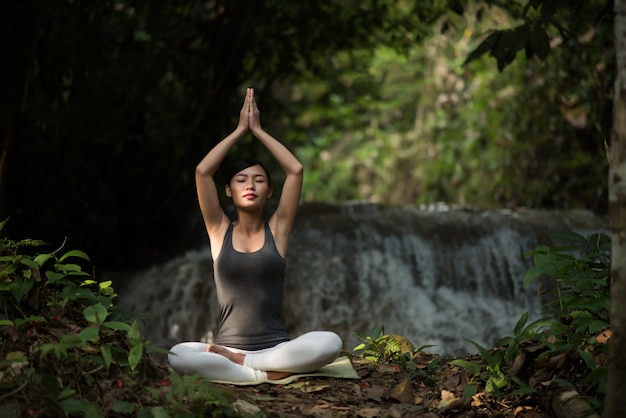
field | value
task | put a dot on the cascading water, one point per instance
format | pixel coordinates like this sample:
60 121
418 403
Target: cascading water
437 277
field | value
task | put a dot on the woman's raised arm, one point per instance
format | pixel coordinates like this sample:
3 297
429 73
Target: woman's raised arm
282 220
212 212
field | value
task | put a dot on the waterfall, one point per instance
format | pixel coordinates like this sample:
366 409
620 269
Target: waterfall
437 276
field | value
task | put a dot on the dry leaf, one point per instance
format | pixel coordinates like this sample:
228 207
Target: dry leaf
604 336
375 393
403 392
314 388
319 410
369 413
245 408
451 381
447 399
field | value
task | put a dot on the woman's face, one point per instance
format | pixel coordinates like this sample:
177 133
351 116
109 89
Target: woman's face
249 187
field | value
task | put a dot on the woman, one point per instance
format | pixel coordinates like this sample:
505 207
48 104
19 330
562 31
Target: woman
251 343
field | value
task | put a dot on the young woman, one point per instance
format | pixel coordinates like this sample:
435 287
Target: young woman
251 343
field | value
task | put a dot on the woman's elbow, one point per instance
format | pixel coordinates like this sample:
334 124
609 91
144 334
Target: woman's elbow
297 169
202 171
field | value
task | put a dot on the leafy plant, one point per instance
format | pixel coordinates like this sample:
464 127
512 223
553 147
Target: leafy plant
62 335
575 322
379 347
190 396
580 273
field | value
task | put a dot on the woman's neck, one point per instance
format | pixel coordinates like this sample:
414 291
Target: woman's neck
249 222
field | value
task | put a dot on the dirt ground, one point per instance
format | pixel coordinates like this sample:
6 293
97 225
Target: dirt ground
383 390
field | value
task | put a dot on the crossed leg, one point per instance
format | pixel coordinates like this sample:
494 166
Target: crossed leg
238 358
304 354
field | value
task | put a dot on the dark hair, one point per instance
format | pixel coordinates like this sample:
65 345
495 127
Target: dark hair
239 165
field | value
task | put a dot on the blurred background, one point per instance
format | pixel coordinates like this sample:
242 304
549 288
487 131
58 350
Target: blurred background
107 106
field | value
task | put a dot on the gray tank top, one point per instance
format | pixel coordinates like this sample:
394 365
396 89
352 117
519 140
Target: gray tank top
250 294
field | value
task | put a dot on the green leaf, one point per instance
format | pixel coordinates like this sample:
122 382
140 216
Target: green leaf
524 389
20 287
120 326
104 285
42 258
469 390
122 407
497 381
69 267
105 350
590 362
54 277
485 354
155 349
90 334
96 314
597 375
136 352
74 253
521 323
159 412
66 393
134 335
470 366
30 263
531 274
73 292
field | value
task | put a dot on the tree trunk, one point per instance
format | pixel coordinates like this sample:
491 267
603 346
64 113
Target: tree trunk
616 389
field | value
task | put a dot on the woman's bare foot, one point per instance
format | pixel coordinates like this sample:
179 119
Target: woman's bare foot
278 375
236 358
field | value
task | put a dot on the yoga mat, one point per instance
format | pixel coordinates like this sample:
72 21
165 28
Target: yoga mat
341 368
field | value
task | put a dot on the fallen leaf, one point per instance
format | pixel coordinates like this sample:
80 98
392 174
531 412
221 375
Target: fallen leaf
245 408
518 363
369 413
451 381
604 336
403 392
388 369
447 399
260 397
520 409
375 393
405 410
318 410
315 388
15 355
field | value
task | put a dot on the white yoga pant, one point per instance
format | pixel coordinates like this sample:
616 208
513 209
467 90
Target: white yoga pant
307 353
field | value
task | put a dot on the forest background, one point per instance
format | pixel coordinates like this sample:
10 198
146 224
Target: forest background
107 106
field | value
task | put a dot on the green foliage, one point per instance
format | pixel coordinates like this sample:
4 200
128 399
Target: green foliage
378 347
418 127
578 312
190 396
61 335
580 270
